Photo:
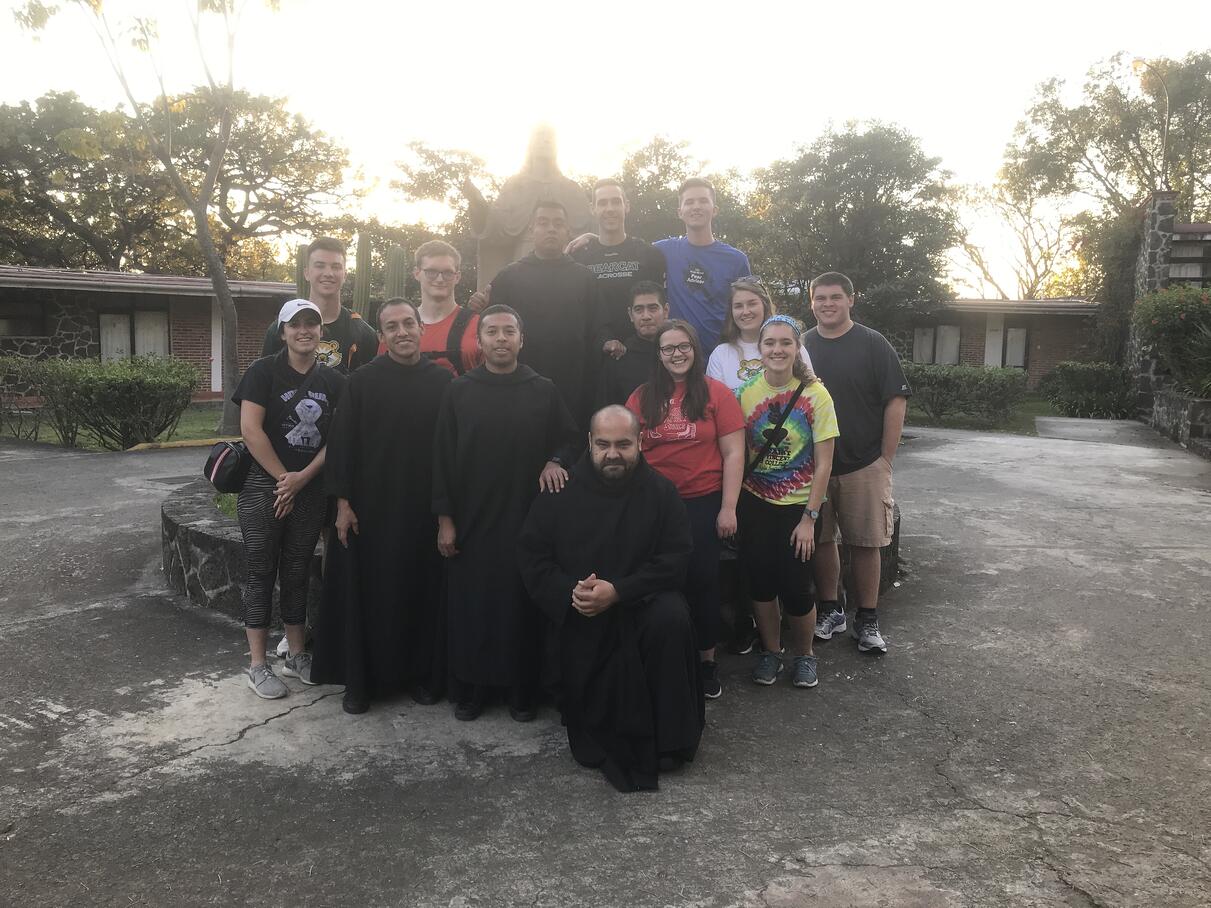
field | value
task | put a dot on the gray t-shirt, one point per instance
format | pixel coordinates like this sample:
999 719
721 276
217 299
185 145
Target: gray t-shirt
862 372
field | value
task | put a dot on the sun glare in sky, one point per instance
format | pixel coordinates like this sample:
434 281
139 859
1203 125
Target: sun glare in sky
742 83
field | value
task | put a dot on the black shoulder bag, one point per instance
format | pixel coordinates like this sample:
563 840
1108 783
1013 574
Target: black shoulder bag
228 463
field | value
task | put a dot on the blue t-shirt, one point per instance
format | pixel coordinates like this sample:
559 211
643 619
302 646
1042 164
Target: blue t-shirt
700 283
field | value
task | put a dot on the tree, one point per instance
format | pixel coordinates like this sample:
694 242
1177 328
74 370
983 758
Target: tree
1108 146
199 197
652 175
80 188
1042 240
864 201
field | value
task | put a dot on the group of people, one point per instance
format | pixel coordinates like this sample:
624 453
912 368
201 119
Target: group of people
526 498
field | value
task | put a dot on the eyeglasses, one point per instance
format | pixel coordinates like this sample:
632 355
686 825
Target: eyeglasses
433 274
670 349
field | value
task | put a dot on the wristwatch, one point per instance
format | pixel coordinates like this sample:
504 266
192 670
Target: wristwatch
814 515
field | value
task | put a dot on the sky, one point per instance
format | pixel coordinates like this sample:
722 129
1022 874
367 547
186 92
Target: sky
743 83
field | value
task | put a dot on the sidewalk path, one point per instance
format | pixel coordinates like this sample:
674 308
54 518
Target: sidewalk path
1038 733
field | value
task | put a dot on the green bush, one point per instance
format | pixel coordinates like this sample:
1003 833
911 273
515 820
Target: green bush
989 394
1090 390
1174 325
122 402
16 419
131 401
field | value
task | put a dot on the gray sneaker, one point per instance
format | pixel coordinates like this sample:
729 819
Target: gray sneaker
298 667
804 674
828 624
283 648
868 636
265 684
767 669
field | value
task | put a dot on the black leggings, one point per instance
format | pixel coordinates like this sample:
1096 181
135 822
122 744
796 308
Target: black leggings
702 590
281 548
767 556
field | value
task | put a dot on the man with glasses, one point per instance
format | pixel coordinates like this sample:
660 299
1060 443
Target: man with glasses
449 338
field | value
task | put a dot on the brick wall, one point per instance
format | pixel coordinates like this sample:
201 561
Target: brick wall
189 335
189 320
255 316
1051 339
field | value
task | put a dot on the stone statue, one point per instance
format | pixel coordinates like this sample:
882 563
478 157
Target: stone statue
503 225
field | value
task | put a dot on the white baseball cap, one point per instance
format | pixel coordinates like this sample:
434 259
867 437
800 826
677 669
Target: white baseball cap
294 307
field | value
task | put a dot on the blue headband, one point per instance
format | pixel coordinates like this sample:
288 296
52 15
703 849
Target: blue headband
783 320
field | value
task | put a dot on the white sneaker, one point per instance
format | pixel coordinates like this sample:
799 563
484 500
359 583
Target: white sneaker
283 649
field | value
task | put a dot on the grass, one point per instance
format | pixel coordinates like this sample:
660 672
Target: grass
225 502
198 421
1020 422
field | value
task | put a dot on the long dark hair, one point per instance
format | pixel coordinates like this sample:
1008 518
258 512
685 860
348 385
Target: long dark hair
654 395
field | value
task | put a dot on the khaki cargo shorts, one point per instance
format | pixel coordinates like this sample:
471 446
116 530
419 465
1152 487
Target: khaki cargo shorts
860 506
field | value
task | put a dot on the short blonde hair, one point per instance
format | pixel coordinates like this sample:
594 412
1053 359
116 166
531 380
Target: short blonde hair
434 248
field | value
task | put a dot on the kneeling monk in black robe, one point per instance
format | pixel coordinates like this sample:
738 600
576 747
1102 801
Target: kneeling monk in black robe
380 627
605 560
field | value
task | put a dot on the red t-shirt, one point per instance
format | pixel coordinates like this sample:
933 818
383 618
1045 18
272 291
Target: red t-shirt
434 341
687 453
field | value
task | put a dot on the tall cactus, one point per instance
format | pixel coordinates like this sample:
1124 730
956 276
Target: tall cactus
397 272
361 285
300 270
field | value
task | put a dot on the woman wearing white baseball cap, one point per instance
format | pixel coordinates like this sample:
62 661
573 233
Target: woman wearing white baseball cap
286 403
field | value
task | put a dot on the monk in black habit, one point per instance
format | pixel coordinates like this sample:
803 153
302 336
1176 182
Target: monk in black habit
502 431
557 298
380 629
605 560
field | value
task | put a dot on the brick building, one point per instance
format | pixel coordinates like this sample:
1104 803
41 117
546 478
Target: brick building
1033 335
110 315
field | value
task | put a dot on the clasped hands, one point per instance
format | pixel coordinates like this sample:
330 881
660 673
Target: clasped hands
592 596
289 485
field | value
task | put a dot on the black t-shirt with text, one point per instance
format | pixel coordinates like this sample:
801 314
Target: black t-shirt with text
347 343
617 268
299 431
862 372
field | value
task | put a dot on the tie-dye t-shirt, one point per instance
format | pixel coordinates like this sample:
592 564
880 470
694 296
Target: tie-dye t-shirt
784 476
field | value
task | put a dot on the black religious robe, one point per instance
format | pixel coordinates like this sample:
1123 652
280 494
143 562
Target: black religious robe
380 627
557 302
620 377
630 686
494 436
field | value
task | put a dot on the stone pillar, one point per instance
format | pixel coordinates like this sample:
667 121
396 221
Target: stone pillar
1151 273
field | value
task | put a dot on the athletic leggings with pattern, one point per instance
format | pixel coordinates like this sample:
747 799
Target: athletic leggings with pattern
278 547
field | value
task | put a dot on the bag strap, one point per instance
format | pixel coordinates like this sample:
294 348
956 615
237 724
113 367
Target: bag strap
454 340
769 440
305 386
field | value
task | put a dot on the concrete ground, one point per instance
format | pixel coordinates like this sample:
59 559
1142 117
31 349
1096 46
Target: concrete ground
1038 734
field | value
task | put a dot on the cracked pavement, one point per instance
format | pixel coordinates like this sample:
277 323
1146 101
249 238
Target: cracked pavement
1038 734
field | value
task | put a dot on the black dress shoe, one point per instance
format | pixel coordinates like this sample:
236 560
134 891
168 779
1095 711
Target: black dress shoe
354 704
424 696
468 710
523 712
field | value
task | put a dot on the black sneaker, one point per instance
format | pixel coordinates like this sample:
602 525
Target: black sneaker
522 712
711 688
354 704
743 640
468 710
